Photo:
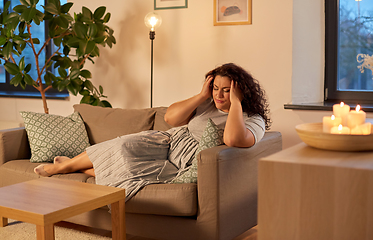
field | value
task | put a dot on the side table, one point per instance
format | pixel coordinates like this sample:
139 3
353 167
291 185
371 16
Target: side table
46 201
306 193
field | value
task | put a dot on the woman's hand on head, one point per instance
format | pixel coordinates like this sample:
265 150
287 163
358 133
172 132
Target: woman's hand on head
235 93
206 88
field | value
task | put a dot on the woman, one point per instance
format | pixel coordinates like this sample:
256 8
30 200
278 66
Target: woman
230 97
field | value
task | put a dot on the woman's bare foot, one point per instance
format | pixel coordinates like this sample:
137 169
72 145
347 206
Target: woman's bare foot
60 159
40 170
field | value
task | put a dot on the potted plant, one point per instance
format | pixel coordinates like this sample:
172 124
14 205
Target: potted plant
76 39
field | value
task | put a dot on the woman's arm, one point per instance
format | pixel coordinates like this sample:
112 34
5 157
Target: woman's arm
235 133
180 113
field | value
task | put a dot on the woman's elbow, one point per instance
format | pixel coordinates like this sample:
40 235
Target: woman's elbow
242 143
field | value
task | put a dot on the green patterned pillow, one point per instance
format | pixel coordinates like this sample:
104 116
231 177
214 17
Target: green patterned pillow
52 135
212 136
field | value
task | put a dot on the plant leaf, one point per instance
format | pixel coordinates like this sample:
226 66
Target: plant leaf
106 104
84 92
27 68
92 30
87 13
86 99
88 84
64 23
72 89
82 46
85 73
73 42
90 46
10 17
62 72
16 80
80 30
51 8
36 40
99 12
22 64
19 8
74 73
3 40
107 17
28 14
66 7
7 50
28 79
25 2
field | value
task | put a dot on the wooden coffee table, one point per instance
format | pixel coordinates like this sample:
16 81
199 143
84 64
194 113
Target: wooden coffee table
46 201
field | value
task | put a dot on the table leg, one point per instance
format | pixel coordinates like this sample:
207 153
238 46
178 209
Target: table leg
118 222
45 232
3 222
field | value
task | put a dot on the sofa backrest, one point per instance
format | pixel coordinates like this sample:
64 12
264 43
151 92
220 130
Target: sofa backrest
103 124
159 123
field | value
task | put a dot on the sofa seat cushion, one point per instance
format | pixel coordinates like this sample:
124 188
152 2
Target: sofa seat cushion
157 199
17 171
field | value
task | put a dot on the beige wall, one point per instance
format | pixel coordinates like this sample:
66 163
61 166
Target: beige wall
284 51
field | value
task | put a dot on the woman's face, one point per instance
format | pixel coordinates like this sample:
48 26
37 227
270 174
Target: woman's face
221 93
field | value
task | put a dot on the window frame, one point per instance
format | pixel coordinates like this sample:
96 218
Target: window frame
331 93
8 90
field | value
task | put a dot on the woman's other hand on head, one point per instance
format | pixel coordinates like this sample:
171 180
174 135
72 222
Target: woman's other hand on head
206 88
235 92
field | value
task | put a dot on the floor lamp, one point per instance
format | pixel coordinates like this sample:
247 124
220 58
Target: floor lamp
152 20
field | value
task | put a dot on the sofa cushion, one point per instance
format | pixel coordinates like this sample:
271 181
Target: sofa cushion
159 122
107 123
157 199
212 136
53 135
17 171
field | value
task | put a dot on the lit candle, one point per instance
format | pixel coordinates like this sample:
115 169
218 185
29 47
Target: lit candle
341 110
340 130
329 122
364 129
356 118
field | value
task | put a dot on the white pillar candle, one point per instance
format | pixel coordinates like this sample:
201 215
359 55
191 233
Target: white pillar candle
340 130
364 129
341 110
329 122
356 117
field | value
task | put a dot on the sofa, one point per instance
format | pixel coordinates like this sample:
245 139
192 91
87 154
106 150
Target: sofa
221 205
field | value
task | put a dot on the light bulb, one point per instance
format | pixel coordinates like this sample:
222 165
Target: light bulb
152 20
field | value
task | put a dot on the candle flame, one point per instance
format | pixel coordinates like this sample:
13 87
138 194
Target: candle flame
340 127
333 117
342 104
357 108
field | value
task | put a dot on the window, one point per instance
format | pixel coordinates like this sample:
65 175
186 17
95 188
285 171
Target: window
348 32
38 31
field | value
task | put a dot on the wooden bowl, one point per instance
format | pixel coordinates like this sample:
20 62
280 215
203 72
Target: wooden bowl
312 134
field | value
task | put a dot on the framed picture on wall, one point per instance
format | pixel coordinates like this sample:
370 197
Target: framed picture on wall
170 4
232 12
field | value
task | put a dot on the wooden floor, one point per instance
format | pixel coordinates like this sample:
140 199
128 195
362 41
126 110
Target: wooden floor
248 235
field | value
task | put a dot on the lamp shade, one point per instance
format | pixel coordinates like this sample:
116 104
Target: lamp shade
153 20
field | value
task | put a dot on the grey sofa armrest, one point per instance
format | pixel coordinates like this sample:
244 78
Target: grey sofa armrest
14 145
227 185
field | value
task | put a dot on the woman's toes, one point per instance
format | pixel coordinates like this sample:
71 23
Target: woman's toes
40 170
60 159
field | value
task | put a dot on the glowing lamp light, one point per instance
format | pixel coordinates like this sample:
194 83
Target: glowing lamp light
153 20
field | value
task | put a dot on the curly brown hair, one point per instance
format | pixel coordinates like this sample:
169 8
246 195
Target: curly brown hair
254 98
